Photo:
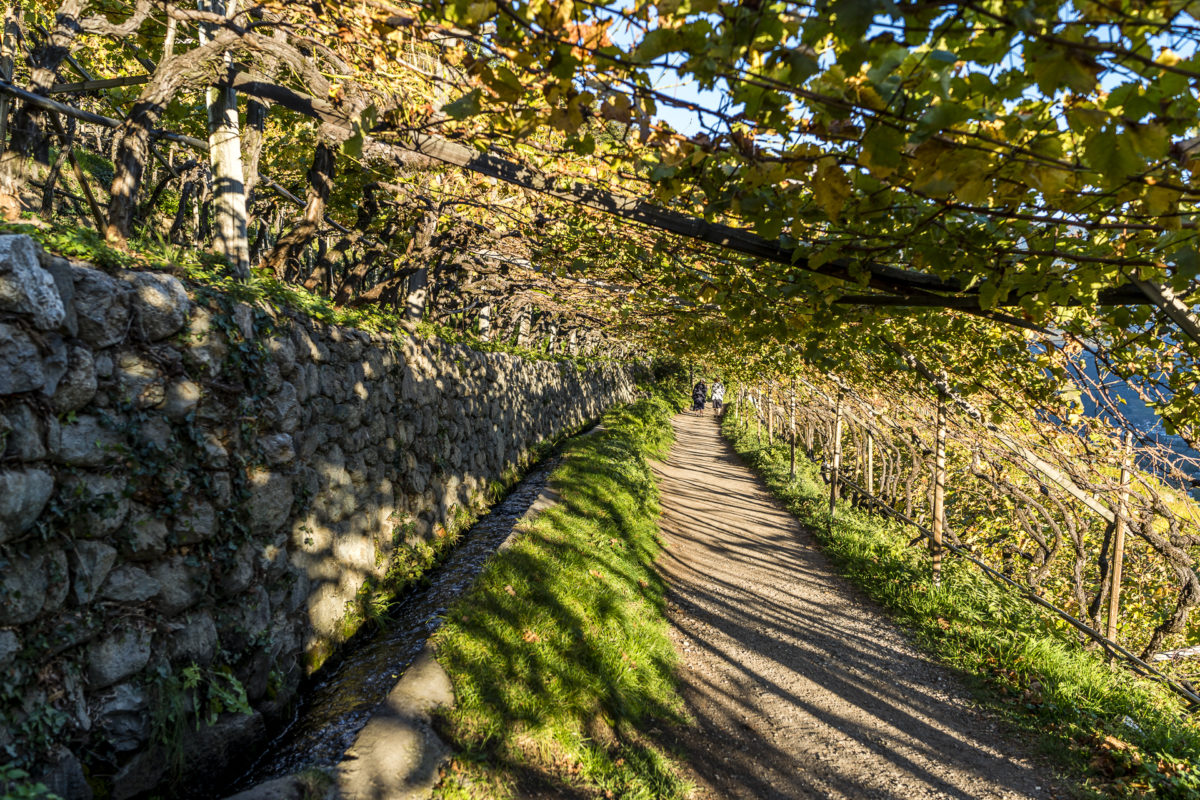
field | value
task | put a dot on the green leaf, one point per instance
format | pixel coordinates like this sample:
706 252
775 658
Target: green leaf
1113 156
466 106
882 150
1056 67
831 188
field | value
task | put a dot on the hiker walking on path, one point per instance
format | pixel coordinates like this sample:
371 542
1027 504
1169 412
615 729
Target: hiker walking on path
699 393
718 396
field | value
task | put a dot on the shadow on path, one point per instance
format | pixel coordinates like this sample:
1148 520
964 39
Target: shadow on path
799 686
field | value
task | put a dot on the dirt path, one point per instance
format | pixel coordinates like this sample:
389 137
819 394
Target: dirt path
800 687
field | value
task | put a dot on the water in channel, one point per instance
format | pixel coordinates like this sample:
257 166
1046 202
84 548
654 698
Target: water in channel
334 709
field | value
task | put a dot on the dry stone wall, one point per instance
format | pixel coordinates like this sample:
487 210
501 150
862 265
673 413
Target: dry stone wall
194 491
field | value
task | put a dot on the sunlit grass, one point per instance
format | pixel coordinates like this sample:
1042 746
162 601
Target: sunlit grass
559 656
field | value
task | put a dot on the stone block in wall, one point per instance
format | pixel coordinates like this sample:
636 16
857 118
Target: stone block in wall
64 281
30 583
88 442
10 645
62 776
23 495
213 452
21 368
181 397
122 716
153 433
197 522
307 347
220 488
282 410
246 621
192 639
97 502
277 449
237 574
139 381
140 774
78 384
119 655
90 563
101 306
159 303
69 630
183 583
255 674
270 502
283 352
268 377
307 380
145 535
59 580
207 343
129 584
326 609
333 382
25 286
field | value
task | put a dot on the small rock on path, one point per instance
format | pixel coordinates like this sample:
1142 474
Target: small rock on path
799 686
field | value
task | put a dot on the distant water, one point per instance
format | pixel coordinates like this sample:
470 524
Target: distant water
1143 419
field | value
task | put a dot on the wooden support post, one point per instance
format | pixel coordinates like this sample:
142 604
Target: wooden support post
870 463
939 491
770 420
758 416
836 467
792 433
1114 591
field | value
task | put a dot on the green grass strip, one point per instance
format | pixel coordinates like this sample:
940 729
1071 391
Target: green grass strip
1116 734
559 655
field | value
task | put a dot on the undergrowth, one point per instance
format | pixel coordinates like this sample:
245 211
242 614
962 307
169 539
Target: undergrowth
559 656
1117 734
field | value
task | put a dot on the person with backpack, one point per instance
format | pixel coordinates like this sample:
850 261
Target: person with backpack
699 394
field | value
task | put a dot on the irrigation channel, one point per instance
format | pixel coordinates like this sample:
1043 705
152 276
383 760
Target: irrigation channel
332 710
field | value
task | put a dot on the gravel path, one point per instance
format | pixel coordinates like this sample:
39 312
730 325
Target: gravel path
799 686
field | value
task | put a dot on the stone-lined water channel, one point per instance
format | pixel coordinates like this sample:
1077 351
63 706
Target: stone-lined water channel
335 708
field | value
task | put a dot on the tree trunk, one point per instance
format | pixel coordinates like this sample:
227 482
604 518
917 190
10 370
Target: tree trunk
485 323
185 199
133 136
28 137
418 284
523 327
320 183
225 152
56 168
421 250
256 119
